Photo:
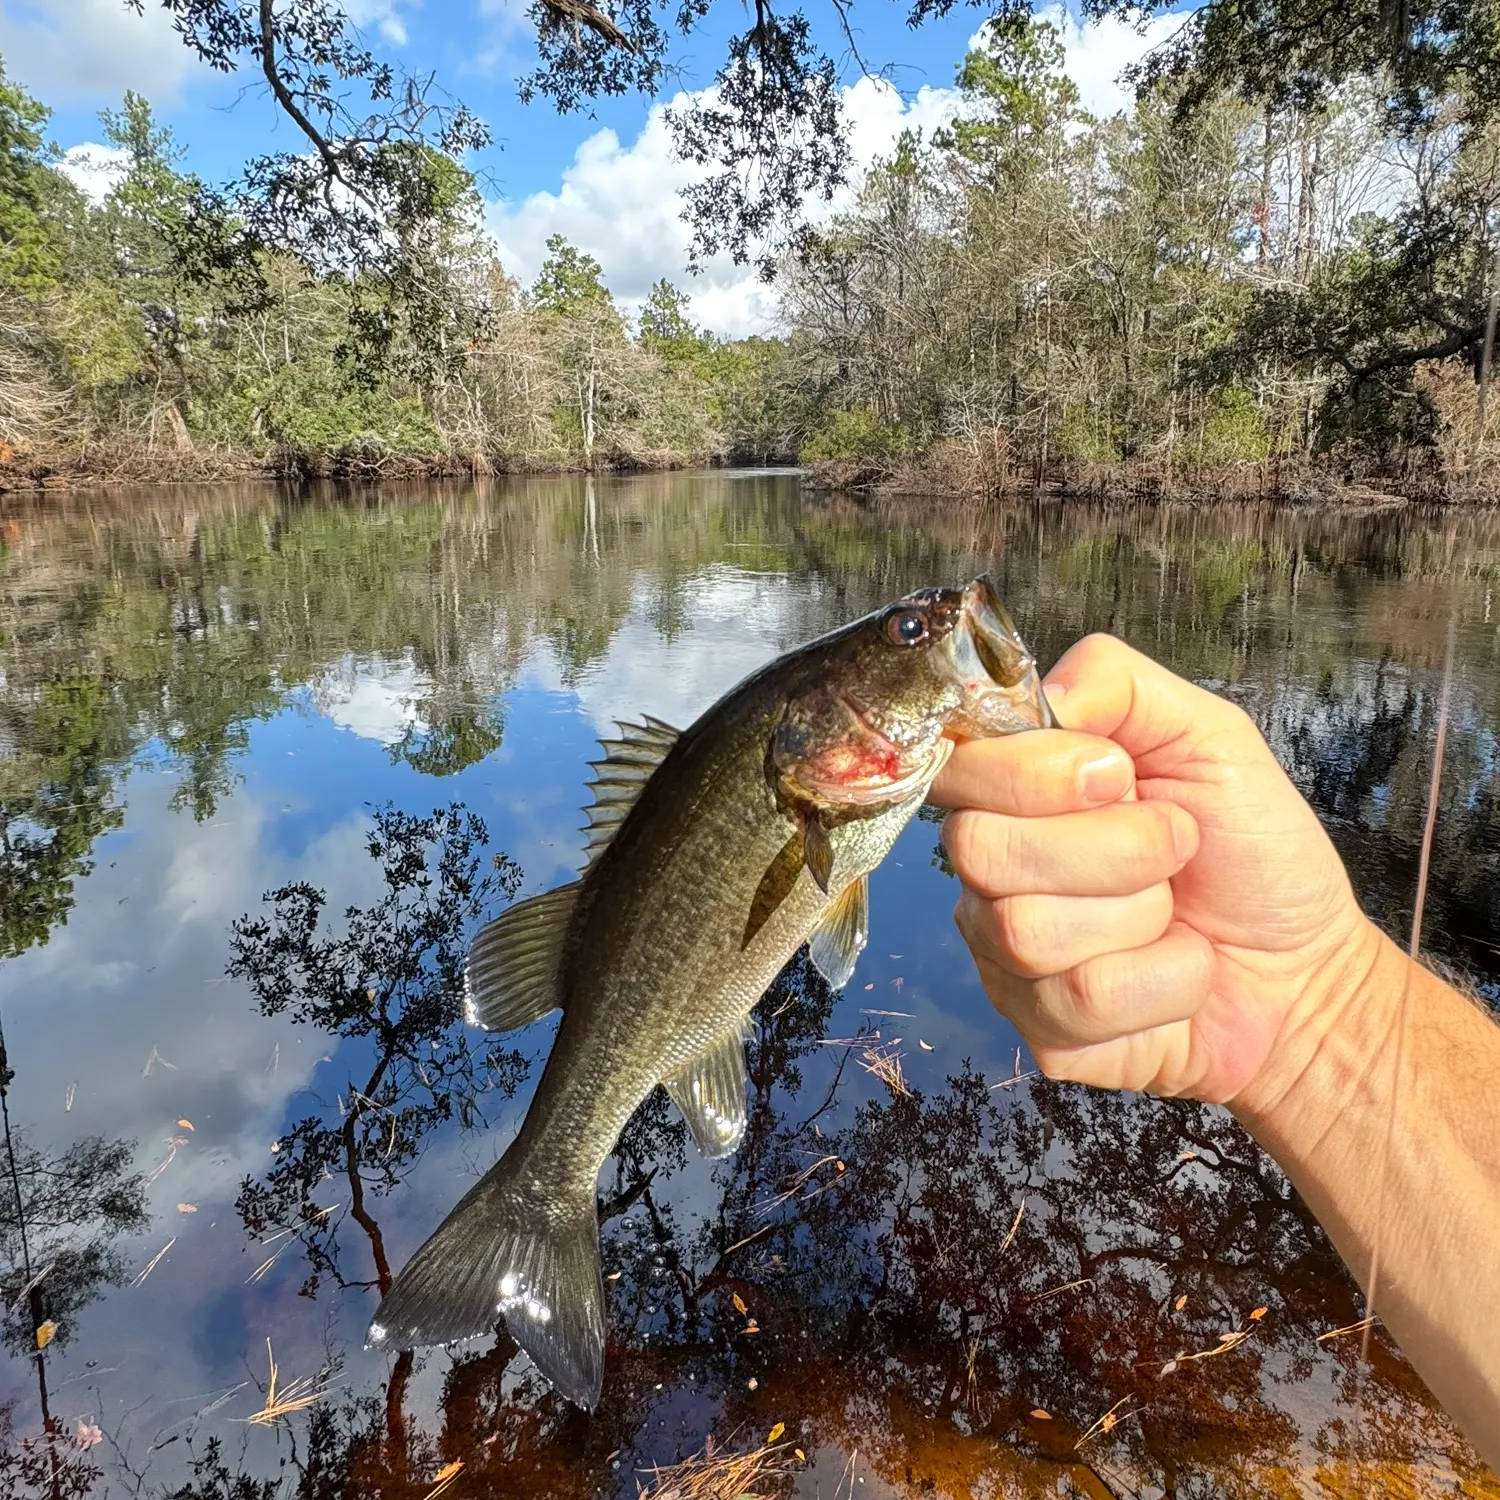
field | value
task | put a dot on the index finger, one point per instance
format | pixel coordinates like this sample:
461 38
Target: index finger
1036 774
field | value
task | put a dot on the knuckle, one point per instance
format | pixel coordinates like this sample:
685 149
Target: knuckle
1090 1013
1024 935
979 845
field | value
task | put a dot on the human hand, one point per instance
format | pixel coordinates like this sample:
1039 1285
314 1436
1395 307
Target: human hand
1147 896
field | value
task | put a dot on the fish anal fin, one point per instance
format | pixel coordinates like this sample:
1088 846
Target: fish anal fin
504 1255
628 765
835 944
775 886
710 1093
511 976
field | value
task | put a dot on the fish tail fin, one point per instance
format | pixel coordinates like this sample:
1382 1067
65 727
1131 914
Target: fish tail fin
505 1253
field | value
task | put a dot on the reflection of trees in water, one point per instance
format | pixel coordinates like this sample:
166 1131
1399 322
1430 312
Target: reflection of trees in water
893 1315
387 981
861 1276
62 1213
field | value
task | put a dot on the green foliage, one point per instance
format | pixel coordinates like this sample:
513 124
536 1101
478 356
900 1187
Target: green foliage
569 282
312 408
1233 430
855 435
26 263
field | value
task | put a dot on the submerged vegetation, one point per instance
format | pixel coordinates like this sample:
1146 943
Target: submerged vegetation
1278 264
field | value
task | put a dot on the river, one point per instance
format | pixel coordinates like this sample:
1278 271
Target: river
267 757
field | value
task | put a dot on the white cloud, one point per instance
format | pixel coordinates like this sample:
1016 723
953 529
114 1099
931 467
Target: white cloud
93 49
374 698
1097 53
93 168
620 203
383 15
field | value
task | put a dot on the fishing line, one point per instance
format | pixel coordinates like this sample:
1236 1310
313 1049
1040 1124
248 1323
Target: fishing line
1424 865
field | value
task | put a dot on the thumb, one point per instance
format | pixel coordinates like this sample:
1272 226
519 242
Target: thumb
1102 686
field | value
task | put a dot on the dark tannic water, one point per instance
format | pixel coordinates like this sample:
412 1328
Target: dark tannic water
230 1117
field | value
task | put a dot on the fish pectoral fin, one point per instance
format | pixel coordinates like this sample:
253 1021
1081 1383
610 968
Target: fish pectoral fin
511 977
775 886
817 850
710 1093
507 1253
835 944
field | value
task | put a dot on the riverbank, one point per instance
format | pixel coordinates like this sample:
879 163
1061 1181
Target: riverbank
955 473
947 472
23 473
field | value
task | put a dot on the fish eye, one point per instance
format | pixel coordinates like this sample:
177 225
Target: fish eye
907 627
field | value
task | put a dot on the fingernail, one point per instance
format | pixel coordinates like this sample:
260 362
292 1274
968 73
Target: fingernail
1055 691
1184 836
1108 778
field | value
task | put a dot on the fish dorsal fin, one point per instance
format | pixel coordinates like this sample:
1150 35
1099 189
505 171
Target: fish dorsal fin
618 778
710 1092
835 944
511 977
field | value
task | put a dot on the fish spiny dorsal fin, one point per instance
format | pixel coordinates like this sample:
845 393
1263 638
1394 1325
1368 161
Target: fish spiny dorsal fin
618 778
511 977
710 1093
834 945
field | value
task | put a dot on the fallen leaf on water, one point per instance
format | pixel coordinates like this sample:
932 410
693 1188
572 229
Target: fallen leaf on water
45 1333
186 1124
739 1304
898 981
751 1327
1107 1421
869 986
187 1208
752 1383
1181 1302
925 1046
1040 1415
800 1455
88 1433
1258 1314
776 1432
613 1276
1188 1156
1170 1367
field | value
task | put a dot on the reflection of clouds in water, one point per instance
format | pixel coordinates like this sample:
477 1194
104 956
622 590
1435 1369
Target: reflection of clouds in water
138 966
726 624
373 697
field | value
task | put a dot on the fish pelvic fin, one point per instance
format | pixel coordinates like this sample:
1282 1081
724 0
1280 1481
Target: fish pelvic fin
837 941
511 977
529 1260
710 1093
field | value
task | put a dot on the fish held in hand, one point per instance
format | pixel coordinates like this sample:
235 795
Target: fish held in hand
713 855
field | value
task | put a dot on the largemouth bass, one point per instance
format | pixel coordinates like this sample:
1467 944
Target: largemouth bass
714 854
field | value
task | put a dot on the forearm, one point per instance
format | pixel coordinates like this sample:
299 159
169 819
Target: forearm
1403 1170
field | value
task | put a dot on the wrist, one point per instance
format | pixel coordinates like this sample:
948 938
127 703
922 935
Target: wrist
1325 1060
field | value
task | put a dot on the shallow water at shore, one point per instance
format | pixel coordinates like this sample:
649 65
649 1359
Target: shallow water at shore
213 694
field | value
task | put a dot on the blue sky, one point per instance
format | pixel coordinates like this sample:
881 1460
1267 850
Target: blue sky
607 180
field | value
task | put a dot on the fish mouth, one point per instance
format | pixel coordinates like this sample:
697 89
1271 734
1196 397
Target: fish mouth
997 674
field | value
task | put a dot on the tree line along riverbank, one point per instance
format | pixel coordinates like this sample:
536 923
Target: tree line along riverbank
1250 300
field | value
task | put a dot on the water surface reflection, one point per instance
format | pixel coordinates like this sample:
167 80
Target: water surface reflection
233 1112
